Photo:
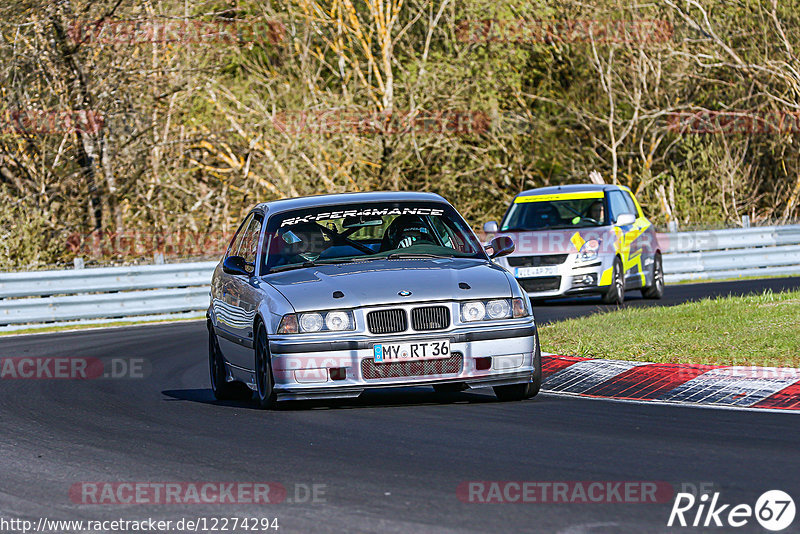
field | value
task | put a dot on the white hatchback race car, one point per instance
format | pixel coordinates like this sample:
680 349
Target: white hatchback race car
579 239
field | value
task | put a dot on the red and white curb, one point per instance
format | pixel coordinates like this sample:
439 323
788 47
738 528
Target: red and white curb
716 385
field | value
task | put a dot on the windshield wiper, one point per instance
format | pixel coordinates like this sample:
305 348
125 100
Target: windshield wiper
332 261
413 255
310 263
289 267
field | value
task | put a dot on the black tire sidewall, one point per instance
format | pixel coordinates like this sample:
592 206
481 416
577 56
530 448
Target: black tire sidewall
616 293
655 291
267 401
221 389
533 387
528 390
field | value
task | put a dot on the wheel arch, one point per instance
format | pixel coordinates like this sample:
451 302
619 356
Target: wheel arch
258 320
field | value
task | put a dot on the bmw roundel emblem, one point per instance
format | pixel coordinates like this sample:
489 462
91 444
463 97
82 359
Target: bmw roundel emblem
404 293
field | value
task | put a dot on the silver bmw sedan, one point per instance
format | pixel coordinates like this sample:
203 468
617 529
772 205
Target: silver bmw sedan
331 295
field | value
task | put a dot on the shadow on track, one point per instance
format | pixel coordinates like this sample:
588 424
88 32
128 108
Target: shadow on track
377 398
205 396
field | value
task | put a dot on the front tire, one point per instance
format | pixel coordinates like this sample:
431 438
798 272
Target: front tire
655 291
616 292
220 387
266 398
518 392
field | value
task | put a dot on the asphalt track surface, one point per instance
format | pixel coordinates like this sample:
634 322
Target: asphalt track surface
390 461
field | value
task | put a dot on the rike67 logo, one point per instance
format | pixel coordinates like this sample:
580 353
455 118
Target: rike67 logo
774 510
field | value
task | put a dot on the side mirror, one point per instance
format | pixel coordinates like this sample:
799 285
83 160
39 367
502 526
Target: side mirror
490 227
237 265
502 245
626 219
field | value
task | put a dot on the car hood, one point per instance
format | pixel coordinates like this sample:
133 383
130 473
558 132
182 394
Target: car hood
379 282
534 242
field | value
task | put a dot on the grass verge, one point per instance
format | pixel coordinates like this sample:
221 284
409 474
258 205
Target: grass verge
762 330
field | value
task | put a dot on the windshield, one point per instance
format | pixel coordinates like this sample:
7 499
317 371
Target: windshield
529 213
344 233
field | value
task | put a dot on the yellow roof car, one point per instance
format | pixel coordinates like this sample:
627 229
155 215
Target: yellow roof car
578 239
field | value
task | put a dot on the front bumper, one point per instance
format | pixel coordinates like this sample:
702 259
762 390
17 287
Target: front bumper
345 367
568 278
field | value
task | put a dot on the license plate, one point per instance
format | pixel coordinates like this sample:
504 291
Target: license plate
406 352
528 272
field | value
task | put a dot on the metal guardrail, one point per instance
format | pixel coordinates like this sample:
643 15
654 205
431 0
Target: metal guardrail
55 298
50 298
113 305
743 252
67 282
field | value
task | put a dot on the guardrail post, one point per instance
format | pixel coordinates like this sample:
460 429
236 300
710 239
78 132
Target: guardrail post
745 221
158 258
672 226
78 262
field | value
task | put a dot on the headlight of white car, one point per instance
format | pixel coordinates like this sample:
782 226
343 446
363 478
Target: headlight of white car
589 250
310 322
491 310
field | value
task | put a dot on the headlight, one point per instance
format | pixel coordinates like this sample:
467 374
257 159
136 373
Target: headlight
473 311
310 322
589 250
337 321
494 309
498 309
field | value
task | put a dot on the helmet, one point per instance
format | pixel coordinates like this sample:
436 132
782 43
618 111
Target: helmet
406 226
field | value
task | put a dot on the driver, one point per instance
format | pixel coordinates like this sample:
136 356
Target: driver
302 242
404 231
596 211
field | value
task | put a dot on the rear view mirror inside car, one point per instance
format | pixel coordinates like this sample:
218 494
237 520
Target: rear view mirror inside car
362 220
